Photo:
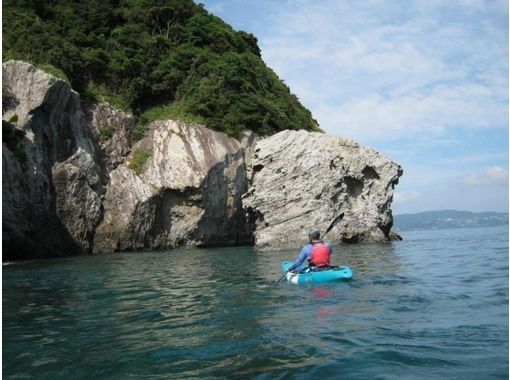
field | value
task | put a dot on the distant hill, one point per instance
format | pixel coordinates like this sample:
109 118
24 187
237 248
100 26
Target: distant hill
449 219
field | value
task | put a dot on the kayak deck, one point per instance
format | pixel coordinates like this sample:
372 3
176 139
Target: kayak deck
303 275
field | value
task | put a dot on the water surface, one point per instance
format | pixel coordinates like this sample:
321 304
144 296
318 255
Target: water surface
432 306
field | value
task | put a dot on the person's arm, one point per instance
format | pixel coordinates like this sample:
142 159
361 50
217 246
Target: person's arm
301 257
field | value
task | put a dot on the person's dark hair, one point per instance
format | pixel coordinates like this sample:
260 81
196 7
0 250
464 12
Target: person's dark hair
314 233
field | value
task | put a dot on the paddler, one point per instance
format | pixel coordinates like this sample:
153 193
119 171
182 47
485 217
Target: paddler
316 251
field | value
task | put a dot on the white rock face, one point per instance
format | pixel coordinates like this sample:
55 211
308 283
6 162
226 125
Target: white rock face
188 192
302 179
73 182
51 183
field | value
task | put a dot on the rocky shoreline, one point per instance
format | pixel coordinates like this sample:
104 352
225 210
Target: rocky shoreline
75 182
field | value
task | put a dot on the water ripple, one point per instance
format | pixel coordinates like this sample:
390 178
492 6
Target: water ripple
434 305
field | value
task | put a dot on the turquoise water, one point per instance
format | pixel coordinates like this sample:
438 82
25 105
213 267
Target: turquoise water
432 306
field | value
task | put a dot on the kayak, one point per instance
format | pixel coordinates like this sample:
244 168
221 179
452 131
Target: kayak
304 276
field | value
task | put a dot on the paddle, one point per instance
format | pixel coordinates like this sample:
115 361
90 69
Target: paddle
333 224
276 282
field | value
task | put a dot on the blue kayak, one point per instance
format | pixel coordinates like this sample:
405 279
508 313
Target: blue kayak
304 275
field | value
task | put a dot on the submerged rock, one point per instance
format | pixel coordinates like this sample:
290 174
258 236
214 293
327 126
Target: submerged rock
303 179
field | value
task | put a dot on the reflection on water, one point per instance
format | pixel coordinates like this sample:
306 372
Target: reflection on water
434 304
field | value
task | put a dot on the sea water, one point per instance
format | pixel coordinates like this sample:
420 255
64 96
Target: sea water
432 306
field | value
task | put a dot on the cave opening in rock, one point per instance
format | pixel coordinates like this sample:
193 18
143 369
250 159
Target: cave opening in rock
257 168
370 173
354 186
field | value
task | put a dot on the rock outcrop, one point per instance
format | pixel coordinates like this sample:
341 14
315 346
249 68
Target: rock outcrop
181 186
302 179
112 129
75 182
51 183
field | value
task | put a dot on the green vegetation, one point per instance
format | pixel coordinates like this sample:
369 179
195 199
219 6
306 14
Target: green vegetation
13 137
139 131
101 93
172 111
106 133
139 158
155 59
13 119
50 69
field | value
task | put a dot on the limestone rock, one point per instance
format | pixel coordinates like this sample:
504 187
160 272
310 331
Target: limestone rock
130 212
187 192
112 130
73 182
50 183
248 142
78 192
303 179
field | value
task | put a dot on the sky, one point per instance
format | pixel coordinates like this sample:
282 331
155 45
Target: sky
425 82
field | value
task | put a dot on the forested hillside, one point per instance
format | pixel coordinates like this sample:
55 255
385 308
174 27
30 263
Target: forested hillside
156 58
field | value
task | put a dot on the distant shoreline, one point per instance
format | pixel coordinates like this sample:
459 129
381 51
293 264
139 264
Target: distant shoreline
448 219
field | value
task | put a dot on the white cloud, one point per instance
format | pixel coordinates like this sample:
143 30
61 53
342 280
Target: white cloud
405 197
425 82
495 175
473 159
217 8
375 118
376 70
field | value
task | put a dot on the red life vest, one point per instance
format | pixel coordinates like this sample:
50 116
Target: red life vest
321 254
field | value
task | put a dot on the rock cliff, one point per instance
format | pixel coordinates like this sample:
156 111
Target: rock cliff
75 182
181 186
51 183
302 179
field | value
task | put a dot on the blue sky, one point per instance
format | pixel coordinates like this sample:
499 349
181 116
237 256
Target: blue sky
424 82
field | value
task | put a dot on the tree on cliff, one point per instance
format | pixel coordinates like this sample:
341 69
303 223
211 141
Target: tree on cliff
157 58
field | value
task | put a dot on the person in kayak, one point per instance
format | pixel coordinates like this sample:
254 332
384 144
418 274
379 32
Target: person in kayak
316 251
